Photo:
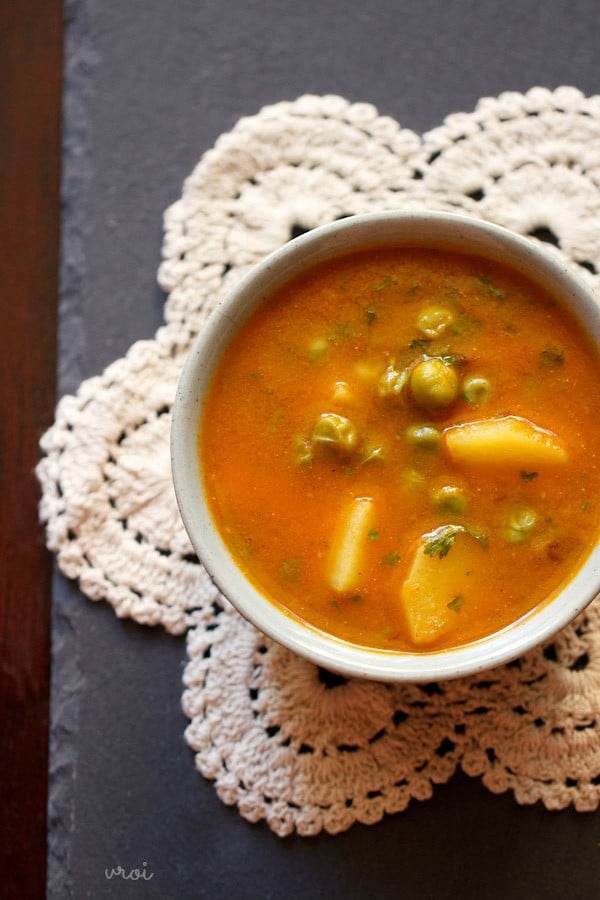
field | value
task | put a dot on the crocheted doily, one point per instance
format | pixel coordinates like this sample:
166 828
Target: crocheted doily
284 740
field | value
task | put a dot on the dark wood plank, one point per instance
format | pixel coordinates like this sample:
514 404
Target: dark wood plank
30 80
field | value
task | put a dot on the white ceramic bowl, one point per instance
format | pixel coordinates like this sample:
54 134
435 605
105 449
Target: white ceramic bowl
426 229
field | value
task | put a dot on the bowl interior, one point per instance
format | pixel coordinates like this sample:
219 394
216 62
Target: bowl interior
429 230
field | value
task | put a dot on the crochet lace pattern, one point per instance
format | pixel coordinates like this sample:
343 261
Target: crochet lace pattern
287 742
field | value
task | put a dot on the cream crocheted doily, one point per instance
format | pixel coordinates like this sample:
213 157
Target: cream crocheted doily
282 739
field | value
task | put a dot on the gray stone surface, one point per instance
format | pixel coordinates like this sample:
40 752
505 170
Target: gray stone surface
150 85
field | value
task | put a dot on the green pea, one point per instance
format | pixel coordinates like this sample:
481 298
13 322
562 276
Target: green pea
302 452
426 437
476 389
433 384
433 321
450 498
519 524
317 349
372 453
412 479
336 432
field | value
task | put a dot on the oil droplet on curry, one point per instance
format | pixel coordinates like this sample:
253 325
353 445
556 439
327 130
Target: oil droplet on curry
401 448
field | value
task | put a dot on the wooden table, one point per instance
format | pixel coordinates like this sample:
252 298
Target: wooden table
31 78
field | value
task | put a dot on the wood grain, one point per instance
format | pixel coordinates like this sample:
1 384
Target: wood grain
30 77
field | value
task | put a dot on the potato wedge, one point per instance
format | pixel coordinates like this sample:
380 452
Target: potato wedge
503 441
442 586
348 546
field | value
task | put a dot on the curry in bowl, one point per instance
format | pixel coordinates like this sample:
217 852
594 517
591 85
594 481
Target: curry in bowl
400 447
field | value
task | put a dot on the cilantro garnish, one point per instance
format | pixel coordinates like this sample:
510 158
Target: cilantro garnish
485 280
454 359
419 344
552 356
390 559
440 542
343 330
456 603
386 282
528 476
290 569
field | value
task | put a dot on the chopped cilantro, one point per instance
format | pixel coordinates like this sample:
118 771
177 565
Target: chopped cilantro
456 603
386 282
585 506
419 344
371 314
552 356
290 569
440 542
454 359
528 476
343 330
413 290
373 534
485 280
356 598
390 559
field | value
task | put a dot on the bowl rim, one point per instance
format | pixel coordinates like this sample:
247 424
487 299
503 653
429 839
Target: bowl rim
395 228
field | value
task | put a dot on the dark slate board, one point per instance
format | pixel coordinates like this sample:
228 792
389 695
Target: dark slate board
150 85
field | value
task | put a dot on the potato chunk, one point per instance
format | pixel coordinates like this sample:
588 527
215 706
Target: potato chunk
348 546
504 441
442 585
